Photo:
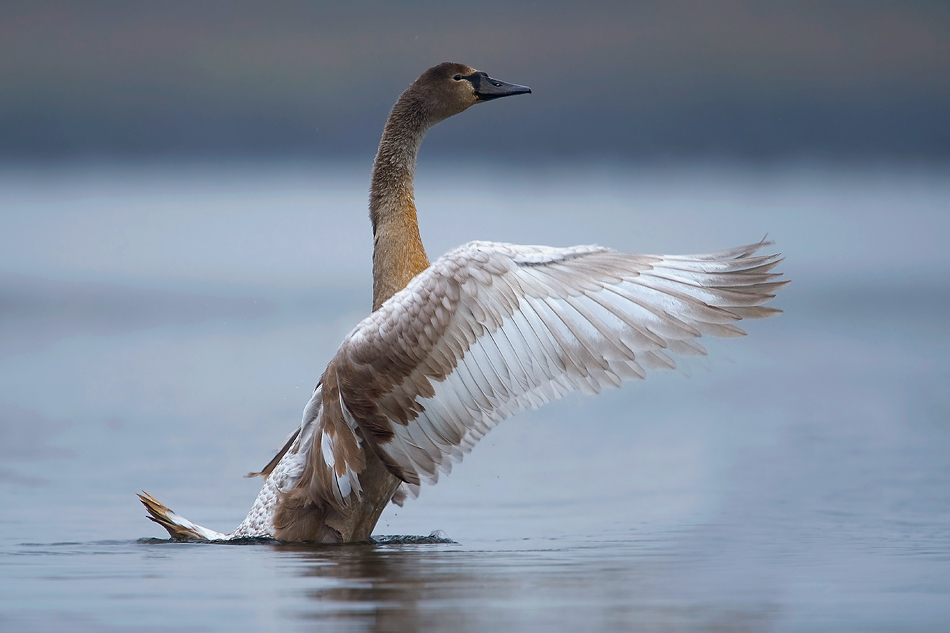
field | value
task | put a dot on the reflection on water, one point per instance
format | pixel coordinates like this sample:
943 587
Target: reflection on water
158 332
556 588
610 585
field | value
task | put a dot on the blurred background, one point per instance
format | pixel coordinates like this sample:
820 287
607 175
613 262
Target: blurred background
748 80
184 242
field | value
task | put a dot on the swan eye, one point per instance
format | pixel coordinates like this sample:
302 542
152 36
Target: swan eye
457 77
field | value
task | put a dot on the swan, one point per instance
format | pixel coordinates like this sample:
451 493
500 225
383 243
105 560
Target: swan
455 346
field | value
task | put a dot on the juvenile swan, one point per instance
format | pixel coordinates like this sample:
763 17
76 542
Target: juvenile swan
456 346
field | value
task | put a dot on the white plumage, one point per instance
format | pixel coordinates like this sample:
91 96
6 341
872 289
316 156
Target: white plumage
508 327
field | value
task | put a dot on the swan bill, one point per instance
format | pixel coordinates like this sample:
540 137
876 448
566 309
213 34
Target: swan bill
487 88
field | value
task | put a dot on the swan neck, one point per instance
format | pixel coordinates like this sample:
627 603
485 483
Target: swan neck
398 253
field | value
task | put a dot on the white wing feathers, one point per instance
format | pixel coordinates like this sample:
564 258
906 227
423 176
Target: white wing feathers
492 329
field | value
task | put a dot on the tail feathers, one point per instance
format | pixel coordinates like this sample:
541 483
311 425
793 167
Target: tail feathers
178 527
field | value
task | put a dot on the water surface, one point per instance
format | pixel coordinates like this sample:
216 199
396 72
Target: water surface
161 329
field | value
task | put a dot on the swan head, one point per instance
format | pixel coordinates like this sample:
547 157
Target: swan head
449 88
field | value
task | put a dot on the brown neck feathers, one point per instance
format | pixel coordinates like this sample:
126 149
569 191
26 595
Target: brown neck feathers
398 254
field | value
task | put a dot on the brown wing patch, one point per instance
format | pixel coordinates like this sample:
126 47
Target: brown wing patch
369 373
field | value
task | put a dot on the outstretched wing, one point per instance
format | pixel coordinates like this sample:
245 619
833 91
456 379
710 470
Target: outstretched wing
491 329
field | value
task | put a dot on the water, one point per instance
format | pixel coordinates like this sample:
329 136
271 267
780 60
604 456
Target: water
161 329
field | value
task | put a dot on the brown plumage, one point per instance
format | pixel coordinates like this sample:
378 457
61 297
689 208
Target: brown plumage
455 346
180 528
398 254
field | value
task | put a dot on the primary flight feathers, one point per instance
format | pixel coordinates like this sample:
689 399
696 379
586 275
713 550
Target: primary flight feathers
492 329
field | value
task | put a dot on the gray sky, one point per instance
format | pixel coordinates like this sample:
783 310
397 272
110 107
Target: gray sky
679 78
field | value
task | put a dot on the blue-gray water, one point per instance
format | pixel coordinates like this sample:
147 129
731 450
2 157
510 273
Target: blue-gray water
161 329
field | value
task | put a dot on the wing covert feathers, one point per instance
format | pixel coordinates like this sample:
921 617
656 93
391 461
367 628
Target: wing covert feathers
491 329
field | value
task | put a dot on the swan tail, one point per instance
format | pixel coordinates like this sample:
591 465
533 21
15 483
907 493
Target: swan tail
180 528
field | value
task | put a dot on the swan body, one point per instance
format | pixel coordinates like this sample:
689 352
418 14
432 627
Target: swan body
487 330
